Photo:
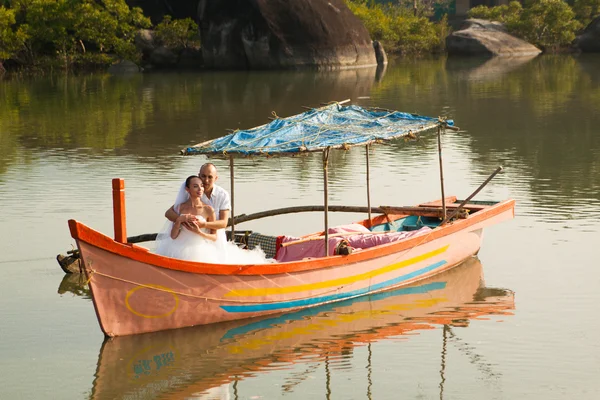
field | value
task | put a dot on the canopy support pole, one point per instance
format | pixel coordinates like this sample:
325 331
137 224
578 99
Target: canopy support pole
326 198
368 185
439 135
232 198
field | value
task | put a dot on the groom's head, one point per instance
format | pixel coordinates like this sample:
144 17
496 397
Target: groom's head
208 176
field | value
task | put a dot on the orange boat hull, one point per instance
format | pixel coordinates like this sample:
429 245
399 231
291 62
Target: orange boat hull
135 291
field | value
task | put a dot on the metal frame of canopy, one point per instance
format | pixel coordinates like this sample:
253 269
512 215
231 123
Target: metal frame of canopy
440 124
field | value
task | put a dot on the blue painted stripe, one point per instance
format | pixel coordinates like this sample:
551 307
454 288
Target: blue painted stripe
310 312
334 297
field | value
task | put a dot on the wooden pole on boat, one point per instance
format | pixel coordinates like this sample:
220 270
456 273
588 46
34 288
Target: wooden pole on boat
424 211
368 185
439 135
118 195
232 198
465 201
325 198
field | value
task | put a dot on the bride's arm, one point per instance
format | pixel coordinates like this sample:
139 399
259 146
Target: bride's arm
209 236
181 220
177 225
209 216
194 226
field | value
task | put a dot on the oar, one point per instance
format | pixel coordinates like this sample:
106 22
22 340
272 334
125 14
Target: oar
465 201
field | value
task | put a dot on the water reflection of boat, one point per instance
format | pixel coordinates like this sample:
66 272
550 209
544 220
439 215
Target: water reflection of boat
74 283
195 360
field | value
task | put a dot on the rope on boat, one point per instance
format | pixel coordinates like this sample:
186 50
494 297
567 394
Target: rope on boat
91 272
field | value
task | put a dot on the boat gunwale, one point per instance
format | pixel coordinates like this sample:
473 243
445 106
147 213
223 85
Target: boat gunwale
81 232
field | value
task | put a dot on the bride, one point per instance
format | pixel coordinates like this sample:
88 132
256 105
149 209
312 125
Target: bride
183 238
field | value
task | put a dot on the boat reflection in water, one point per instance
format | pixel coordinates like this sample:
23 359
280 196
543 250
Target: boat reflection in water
195 362
75 284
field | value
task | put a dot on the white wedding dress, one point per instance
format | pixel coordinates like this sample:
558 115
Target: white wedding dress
193 247
187 246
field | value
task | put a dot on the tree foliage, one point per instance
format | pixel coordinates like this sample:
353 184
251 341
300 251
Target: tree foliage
548 24
179 33
11 39
68 29
398 29
427 8
586 10
508 14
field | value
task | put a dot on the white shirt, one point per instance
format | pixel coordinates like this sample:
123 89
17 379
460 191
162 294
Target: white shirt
219 200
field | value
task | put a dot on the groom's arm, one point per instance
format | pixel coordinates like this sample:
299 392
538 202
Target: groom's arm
221 223
171 215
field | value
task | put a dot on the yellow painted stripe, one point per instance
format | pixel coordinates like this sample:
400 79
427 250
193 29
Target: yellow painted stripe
336 282
251 342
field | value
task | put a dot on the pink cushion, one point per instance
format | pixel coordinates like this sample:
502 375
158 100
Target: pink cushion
350 228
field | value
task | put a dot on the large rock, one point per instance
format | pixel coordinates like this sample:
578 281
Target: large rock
123 67
380 55
589 40
190 58
144 41
163 57
257 34
481 37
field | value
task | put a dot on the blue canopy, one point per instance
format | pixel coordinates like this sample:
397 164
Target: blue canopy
334 126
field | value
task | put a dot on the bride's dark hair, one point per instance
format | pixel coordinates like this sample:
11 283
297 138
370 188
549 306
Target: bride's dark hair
189 179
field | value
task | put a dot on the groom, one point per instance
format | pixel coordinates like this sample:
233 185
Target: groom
214 195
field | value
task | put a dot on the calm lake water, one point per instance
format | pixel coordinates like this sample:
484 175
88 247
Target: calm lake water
520 321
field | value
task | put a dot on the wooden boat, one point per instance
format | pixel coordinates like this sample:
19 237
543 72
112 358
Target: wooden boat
201 359
136 291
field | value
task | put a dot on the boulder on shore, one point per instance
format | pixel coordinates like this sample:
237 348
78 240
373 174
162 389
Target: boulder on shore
380 54
123 67
488 38
157 55
259 34
145 42
163 57
589 40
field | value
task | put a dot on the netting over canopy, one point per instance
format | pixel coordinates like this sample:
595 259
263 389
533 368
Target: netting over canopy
335 126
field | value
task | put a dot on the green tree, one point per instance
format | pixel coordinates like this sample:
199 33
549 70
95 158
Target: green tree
110 28
11 39
66 30
586 10
549 24
399 29
425 8
508 14
179 33
48 25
